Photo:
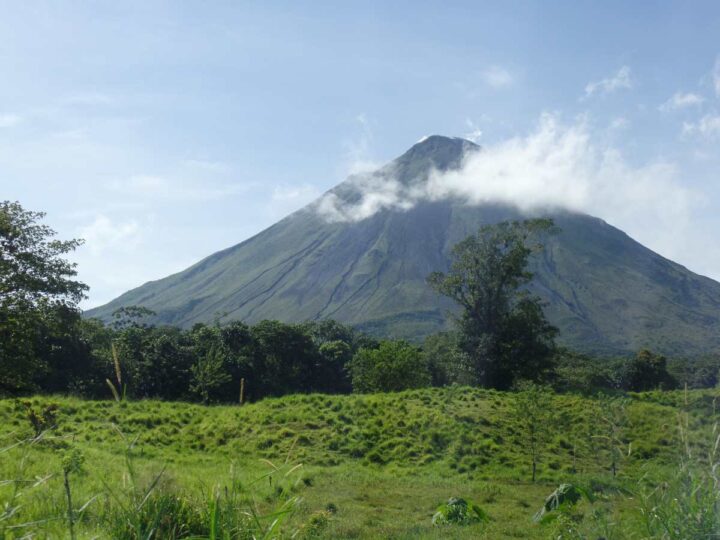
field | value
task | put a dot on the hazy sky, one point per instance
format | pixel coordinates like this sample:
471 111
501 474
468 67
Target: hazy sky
163 131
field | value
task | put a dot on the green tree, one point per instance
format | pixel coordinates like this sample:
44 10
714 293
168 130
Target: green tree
502 327
447 362
393 366
532 413
131 317
577 372
208 374
166 364
336 344
283 359
61 344
700 372
35 278
332 372
648 371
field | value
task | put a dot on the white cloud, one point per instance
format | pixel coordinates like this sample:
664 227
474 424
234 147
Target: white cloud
9 120
561 165
681 100
556 165
621 80
497 77
377 193
716 77
358 158
123 251
707 126
104 234
475 132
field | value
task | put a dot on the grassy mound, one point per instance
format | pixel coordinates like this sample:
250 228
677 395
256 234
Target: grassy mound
372 466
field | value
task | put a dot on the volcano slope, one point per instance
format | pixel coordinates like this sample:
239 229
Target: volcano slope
350 258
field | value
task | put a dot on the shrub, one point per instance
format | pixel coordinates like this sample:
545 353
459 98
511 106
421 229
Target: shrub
41 418
458 511
565 496
393 366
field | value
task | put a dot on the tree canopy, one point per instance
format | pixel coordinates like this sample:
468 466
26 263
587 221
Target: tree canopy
393 366
502 326
33 267
38 298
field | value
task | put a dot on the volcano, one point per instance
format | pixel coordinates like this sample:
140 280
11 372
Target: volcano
357 258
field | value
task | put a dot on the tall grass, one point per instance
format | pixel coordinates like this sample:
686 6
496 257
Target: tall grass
687 505
141 507
384 462
119 392
231 512
17 489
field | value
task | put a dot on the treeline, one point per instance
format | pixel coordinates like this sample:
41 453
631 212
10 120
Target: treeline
502 337
208 362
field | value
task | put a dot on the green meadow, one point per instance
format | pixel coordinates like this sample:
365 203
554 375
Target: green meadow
356 466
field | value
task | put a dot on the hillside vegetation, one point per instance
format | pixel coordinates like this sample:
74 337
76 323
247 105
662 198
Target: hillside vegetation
372 465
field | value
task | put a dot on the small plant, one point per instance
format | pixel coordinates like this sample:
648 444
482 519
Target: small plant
41 418
331 508
458 511
612 417
316 524
532 408
564 497
71 464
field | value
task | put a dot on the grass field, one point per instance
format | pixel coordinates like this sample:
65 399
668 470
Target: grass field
373 466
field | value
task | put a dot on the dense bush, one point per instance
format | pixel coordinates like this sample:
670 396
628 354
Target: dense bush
393 366
642 372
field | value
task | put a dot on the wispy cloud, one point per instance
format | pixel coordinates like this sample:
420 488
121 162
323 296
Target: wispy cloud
376 193
475 132
716 76
151 186
358 158
619 123
621 80
497 77
708 125
682 100
556 165
9 120
108 260
103 234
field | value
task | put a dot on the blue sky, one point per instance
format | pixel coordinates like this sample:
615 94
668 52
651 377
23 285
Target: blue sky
164 131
